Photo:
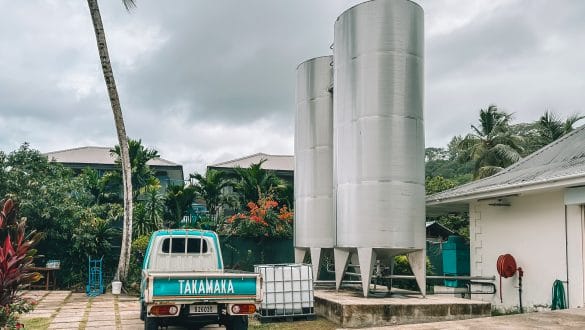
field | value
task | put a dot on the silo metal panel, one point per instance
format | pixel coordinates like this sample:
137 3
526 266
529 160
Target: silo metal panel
314 202
378 126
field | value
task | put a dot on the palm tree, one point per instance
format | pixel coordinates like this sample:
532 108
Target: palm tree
491 146
551 127
98 27
178 200
148 214
142 175
211 189
255 182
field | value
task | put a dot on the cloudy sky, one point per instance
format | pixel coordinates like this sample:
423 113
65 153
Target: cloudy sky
207 81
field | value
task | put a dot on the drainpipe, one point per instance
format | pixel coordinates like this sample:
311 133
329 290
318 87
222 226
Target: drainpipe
567 255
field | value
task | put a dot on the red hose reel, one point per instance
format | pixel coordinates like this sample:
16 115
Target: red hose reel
506 266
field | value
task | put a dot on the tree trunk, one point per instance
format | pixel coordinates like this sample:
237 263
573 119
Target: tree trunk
124 262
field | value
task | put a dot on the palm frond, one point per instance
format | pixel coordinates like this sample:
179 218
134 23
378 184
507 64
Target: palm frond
129 4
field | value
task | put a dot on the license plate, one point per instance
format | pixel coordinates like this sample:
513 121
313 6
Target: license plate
203 309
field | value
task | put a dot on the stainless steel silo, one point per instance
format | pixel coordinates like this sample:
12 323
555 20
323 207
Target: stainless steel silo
313 186
378 135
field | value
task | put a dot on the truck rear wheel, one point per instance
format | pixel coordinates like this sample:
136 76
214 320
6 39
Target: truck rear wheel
150 323
237 323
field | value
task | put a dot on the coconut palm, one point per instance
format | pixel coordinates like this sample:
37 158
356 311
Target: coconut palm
551 127
98 27
491 146
210 188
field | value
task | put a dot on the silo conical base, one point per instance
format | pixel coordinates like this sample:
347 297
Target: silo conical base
418 263
300 254
367 259
316 254
341 257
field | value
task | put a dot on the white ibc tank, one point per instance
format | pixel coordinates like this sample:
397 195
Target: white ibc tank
288 290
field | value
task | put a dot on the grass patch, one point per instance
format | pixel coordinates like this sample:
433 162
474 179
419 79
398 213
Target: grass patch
318 324
83 322
40 323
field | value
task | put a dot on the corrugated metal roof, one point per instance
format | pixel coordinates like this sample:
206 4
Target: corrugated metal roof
95 155
563 159
273 162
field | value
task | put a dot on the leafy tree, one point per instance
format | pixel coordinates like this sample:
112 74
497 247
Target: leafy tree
108 72
443 163
56 203
211 189
437 184
491 146
254 182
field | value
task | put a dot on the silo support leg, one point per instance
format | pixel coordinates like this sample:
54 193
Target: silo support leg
341 257
300 255
315 262
367 258
417 260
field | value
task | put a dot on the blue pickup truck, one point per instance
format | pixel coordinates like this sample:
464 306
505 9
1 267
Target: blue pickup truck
184 283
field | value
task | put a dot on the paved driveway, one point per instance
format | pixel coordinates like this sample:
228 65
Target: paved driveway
69 310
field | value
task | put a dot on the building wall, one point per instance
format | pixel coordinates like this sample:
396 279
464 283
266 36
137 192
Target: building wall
532 229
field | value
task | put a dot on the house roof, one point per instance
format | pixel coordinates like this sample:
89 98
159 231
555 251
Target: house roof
96 155
273 162
559 164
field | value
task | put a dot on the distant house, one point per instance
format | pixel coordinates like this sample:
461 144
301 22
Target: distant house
102 160
282 165
533 210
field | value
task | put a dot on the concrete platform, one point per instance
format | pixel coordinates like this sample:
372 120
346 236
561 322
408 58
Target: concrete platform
350 309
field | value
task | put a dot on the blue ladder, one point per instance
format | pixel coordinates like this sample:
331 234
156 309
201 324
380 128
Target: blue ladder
95 283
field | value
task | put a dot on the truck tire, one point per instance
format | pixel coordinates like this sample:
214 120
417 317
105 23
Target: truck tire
237 323
150 323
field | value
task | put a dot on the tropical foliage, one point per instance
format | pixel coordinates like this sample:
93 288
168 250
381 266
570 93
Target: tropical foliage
178 200
491 146
16 260
551 127
254 181
211 187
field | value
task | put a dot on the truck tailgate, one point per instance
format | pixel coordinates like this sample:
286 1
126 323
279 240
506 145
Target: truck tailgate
194 286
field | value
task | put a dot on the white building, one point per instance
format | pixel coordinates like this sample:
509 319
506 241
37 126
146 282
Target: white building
533 210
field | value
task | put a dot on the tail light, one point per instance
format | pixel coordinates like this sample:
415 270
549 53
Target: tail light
160 310
243 309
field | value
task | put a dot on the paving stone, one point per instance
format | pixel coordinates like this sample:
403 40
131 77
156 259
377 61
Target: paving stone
67 319
65 326
100 324
101 317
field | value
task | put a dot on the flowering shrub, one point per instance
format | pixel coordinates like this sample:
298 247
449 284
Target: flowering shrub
262 219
